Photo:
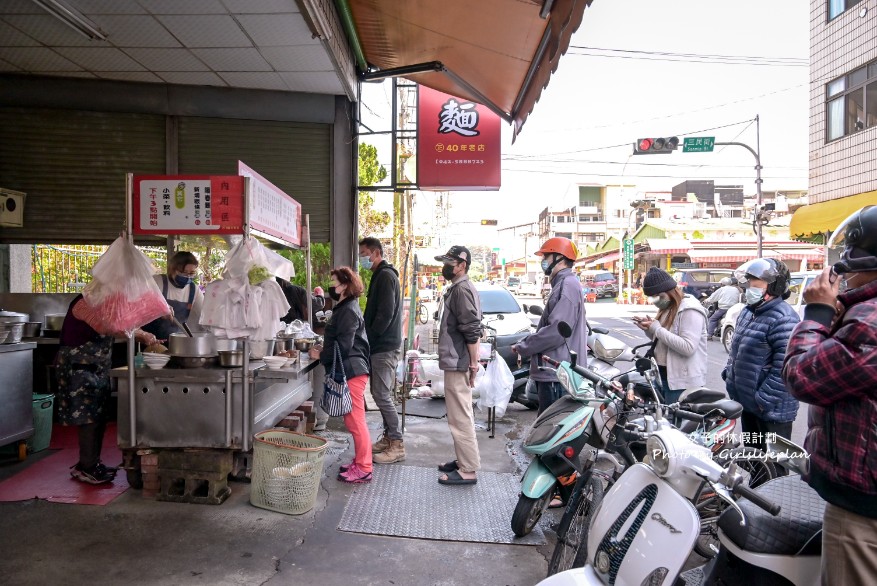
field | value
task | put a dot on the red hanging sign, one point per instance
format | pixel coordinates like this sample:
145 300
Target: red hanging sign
188 204
458 143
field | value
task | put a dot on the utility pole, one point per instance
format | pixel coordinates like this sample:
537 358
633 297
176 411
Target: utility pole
759 219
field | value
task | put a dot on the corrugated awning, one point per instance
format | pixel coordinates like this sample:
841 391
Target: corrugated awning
742 255
667 246
495 52
818 218
611 257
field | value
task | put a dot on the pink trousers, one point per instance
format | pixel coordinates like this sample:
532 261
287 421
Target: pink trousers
356 425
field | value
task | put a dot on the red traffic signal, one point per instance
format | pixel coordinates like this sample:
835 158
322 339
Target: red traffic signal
655 146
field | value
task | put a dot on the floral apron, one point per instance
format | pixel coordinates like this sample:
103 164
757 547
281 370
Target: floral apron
84 381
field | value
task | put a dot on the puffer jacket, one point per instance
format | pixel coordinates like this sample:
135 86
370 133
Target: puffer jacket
832 367
460 325
753 375
346 328
566 303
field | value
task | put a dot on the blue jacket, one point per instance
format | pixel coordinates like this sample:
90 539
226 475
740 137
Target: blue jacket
754 373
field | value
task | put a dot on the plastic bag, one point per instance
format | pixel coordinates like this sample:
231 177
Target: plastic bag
123 295
496 387
250 253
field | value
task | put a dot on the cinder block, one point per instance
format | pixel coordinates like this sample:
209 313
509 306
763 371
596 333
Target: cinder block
149 459
193 486
307 406
208 460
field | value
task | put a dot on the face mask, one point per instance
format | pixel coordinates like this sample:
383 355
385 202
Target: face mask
182 281
448 272
365 262
754 295
335 295
546 266
660 302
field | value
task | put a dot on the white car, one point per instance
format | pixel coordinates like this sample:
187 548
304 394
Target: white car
799 282
499 310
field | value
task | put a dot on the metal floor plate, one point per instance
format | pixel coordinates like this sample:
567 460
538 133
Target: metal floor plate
408 501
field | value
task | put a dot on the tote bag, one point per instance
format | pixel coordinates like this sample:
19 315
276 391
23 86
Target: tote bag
336 394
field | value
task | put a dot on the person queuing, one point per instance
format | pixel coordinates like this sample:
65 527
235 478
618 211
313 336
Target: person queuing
297 297
182 295
753 374
678 333
459 335
565 303
830 364
726 297
83 369
346 330
383 324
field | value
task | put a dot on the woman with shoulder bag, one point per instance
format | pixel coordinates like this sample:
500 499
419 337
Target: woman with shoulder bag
679 333
345 337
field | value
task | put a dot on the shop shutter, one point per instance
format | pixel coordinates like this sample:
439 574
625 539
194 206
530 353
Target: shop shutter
293 156
72 165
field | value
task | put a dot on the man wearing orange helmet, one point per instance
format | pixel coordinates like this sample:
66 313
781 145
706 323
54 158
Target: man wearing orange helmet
565 303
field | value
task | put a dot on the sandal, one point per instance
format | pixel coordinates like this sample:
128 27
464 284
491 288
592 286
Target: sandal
449 466
454 477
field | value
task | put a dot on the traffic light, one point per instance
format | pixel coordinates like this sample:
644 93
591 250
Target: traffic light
488 222
655 146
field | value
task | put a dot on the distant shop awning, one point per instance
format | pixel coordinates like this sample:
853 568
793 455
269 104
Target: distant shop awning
611 257
495 52
818 218
742 255
667 246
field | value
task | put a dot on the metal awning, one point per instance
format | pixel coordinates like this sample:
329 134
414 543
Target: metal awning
818 218
611 257
745 254
495 52
667 246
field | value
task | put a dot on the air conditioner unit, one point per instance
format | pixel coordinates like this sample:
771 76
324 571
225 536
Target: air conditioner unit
11 208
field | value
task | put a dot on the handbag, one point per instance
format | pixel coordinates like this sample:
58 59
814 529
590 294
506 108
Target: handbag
336 394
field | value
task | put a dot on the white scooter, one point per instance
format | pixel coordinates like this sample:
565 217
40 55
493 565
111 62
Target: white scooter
645 528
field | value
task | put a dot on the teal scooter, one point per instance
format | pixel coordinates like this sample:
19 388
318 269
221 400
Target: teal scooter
558 436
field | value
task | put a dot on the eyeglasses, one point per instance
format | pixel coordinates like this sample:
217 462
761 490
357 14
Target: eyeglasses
191 275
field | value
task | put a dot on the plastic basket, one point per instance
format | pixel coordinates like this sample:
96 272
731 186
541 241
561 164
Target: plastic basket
287 467
42 423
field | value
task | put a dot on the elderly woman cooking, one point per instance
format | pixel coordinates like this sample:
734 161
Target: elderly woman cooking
346 329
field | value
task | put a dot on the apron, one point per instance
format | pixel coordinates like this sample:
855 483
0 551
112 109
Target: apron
84 381
162 327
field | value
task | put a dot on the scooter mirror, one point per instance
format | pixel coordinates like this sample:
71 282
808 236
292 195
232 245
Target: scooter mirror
535 309
564 329
643 365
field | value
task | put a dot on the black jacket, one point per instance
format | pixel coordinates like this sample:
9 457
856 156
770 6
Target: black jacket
347 329
383 310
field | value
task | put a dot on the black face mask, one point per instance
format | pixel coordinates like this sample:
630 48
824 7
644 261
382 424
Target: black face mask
448 272
334 294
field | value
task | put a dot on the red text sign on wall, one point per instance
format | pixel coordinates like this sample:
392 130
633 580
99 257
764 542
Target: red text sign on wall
188 204
271 210
458 143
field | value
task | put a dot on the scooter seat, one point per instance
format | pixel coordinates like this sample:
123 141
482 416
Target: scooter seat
703 396
797 526
731 409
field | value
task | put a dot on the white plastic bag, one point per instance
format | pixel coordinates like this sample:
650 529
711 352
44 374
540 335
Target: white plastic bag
496 387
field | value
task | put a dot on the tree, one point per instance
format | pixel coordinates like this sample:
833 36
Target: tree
371 172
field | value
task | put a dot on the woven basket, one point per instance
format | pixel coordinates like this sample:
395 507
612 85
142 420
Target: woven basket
287 467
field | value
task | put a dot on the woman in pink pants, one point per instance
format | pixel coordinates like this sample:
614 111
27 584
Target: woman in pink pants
346 330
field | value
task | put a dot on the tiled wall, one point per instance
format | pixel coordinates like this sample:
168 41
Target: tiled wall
846 166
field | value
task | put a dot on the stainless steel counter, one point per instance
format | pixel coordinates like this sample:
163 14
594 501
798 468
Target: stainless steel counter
207 407
16 387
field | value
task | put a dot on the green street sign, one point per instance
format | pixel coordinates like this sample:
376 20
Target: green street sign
698 144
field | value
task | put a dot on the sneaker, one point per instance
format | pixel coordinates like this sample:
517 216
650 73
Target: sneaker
355 475
382 445
96 475
394 453
320 426
345 467
103 469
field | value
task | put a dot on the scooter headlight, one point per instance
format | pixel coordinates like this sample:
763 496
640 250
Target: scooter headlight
564 380
658 455
604 353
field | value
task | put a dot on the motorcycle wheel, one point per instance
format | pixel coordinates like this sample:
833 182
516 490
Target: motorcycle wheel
528 511
571 550
727 337
710 507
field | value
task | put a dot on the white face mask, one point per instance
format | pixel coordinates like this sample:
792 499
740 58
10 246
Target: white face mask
754 295
660 301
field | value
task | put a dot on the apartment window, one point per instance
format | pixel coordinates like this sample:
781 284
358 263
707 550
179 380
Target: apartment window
837 7
851 102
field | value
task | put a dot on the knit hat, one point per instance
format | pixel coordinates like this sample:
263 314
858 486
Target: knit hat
657 281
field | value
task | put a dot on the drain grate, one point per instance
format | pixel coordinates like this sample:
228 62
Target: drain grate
408 501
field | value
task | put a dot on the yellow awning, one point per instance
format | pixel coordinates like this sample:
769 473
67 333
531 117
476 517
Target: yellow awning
818 218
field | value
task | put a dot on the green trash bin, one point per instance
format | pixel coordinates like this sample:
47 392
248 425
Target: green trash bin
42 423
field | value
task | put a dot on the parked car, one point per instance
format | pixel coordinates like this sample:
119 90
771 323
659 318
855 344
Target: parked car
700 282
499 309
604 283
529 288
513 284
799 282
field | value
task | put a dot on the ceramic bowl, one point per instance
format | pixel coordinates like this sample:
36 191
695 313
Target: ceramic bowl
275 362
155 361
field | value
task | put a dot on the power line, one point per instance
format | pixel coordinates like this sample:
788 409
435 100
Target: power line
513 159
626 175
689 57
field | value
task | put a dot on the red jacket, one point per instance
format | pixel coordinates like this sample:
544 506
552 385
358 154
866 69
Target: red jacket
833 367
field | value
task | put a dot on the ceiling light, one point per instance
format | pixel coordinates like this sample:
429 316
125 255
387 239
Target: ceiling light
72 18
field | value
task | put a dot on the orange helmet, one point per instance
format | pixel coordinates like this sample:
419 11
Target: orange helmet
558 245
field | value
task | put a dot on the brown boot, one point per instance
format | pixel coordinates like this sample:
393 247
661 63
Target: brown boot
381 445
395 453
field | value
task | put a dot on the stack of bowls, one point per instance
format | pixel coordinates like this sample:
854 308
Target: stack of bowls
155 361
275 362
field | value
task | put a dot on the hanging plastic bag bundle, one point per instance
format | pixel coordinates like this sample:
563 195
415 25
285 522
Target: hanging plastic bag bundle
496 387
122 296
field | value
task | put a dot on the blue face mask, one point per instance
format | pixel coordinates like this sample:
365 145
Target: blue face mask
546 266
754 295
365 262
182 281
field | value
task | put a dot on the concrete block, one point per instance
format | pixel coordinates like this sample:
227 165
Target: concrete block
197 487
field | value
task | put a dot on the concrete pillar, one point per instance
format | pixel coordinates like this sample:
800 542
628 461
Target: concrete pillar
20 268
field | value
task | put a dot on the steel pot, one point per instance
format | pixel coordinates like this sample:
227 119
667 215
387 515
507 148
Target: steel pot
229 344
13 332
231 358
261 348
12 317
54 321
201 344
282 345
304 344
193 361
32 329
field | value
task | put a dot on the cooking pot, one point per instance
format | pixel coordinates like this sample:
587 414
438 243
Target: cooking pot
201 344
54 321
229 344
231 358
194 361
32 329
12 317
12 332
304 344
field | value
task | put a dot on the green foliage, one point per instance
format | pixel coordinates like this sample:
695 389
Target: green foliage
321 264
371 172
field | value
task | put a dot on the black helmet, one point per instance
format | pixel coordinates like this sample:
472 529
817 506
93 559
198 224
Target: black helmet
858 235
770 270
